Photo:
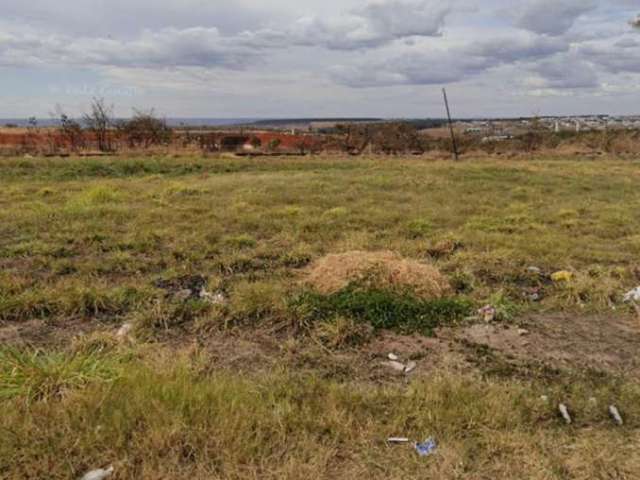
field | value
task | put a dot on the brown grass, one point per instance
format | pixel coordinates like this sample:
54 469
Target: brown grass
383 269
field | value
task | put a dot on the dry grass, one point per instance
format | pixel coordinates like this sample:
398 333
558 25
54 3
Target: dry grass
381 270
83 243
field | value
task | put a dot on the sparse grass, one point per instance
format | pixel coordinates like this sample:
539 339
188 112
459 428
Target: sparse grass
167 420
87 239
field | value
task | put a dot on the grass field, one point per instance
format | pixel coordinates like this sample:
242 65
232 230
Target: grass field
281 381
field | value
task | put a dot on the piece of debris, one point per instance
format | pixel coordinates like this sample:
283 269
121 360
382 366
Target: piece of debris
544 398
615 414
410 367
99 474
397 440
124 330
533 295
523 331
487 313
534 271
397 366
393 357
562 276
564 411
183 288
426 448
632 295
213 298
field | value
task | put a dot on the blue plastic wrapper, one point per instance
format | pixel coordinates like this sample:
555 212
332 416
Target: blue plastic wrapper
426 448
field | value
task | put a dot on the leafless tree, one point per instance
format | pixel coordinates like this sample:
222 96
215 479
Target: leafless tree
99 122
70 130
145 129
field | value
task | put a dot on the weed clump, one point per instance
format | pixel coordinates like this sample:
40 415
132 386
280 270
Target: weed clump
382 270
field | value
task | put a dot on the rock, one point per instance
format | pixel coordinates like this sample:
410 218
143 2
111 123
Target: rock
523 331
99 474
393 357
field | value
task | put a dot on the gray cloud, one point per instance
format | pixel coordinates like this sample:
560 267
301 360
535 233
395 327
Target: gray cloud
374 25
552 17
195 46
564 72
434 67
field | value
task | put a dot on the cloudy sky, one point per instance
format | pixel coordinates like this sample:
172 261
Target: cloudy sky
281 58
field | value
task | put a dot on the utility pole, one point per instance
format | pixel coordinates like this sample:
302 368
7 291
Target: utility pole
453 136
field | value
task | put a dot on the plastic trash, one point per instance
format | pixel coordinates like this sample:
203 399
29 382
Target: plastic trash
99 474
410 367
397 366
213 298
615 414
632 295
564 411
426 448
561 276
397 440
488 313
124 330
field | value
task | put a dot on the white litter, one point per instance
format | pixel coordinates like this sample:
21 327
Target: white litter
564 411
397 440
632 295
213 298
99 474
615 414
124 330
397 366
393 357
410 367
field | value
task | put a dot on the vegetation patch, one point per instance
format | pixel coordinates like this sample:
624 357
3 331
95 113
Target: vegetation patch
33 375
384 309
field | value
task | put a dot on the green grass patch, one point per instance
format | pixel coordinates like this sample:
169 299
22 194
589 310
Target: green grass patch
384 309
32 375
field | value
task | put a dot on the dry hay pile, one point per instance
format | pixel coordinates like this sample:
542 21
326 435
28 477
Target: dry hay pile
382 269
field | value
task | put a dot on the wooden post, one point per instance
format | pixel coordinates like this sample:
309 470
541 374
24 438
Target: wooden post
453 136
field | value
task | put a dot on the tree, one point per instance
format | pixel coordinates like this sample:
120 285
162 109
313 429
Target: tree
70 130
636 22
99 122
145 129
